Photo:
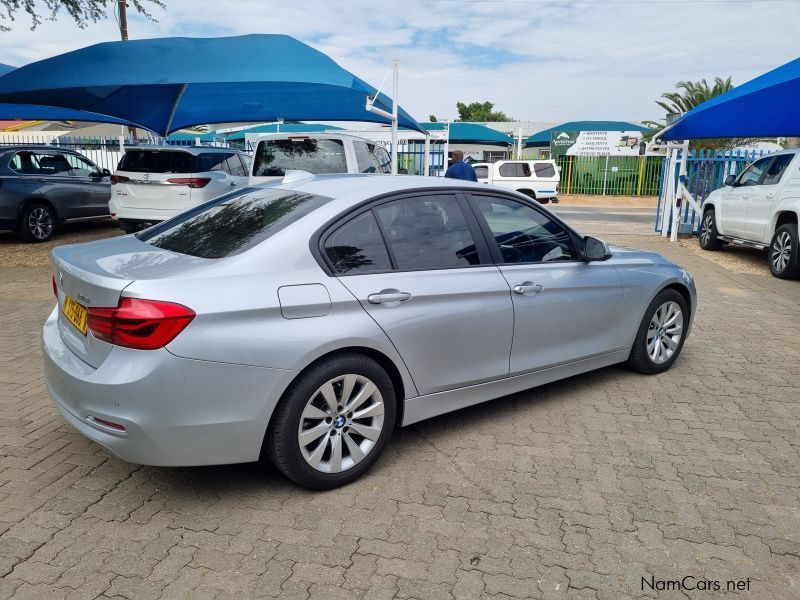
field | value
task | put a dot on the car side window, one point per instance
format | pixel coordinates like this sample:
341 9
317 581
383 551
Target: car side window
523 234
515 169
753 173
482 172
544 170
234 166
776 169
427 232
211 161
357 247
81 167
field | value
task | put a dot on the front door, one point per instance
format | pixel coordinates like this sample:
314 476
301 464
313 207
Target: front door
414 265
737 198
565 309
97 187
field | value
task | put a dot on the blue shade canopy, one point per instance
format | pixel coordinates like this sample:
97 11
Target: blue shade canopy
542 138
766 106
166 84
471 133
284 128
27 112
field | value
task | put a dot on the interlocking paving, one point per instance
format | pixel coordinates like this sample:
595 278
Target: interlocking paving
579 489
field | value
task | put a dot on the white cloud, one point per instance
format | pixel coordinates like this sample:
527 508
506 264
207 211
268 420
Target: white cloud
544 62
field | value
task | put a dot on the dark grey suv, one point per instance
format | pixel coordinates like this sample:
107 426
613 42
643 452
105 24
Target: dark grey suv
43 186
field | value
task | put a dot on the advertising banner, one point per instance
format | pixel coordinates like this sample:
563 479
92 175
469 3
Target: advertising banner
595 143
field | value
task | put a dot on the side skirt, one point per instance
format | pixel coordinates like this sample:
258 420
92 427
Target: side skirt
741 242
432 405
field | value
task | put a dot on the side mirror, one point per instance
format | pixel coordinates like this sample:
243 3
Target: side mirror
594 249
730 180
106 173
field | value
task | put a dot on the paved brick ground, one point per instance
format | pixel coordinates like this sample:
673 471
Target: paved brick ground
575 490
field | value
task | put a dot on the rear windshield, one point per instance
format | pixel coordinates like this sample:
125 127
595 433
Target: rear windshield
157 161
275 157
232 223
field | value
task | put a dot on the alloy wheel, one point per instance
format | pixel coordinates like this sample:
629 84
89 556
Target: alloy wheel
664 332
40 223
706 227
781 251
341 423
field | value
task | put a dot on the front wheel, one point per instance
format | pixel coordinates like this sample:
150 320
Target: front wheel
333 422
708 231
783 252
661 333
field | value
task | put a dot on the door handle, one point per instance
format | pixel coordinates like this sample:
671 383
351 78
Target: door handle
527 288
388 297
233 184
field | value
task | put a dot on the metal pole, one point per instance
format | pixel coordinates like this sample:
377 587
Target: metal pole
426 162
519 143
123 19
395 104
605 176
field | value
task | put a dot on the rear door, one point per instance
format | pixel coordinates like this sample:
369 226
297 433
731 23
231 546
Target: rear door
565 309
420 268
737 198
762 198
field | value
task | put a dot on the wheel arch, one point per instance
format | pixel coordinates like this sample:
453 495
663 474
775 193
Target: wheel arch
682 290
36 200
785 217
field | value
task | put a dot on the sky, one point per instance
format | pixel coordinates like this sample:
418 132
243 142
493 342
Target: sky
537 60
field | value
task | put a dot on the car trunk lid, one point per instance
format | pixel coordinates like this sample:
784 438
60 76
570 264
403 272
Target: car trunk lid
95 275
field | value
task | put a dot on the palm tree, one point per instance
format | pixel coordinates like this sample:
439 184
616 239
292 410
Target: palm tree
688 95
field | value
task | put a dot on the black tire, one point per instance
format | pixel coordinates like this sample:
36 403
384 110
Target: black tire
282 443
37 223
782 256
640 359
708 231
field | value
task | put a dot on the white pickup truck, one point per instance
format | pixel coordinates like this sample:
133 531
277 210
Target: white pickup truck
537 179
759 208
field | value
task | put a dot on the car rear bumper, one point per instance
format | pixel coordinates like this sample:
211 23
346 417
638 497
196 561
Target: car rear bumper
176 411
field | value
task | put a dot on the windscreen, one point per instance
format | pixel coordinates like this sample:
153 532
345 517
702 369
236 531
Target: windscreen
232 223
275 157
157 161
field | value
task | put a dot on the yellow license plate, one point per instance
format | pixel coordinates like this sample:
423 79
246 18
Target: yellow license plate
76 314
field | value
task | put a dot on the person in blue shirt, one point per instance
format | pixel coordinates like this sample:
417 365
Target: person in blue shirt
459 169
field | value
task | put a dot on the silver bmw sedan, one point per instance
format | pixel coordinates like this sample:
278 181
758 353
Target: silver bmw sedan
306 320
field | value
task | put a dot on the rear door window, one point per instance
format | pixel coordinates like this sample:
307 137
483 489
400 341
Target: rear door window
544 170
232 223
357 247
274 157
482 172
371 158
234 166
211 161
776 169
515 170
157 161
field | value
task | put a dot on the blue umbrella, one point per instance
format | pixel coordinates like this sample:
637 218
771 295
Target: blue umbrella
763 107
167 84
27 112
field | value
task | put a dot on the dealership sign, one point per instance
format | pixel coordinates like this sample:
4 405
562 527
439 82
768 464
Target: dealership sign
595 143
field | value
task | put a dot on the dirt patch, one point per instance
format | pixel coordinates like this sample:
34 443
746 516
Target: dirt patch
737 259
14 253
608 201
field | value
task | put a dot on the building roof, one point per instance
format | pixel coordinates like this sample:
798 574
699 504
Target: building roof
471 133
542 138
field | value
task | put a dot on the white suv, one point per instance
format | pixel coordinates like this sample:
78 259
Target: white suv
153 184
759 208
316 153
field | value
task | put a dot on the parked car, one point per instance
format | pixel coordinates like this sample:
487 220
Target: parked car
41 187
759 208
537 179
316 153
308 319
155 183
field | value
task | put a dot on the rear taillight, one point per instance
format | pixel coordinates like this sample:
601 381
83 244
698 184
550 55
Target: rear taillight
55 287
119 179
192 182
139 324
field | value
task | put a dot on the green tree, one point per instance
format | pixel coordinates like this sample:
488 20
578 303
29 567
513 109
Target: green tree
433 119
480 112
82 12
689 94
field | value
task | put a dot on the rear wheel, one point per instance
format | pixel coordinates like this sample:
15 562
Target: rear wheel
333 422
708 231
661 333
783 257
37 223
